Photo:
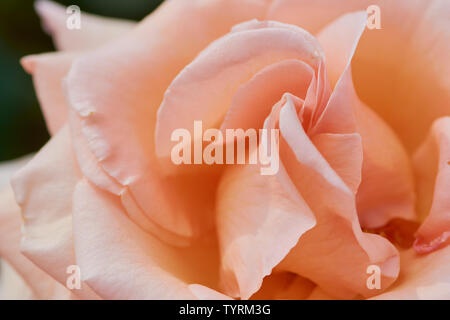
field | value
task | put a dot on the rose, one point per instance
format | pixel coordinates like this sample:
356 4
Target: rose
103 194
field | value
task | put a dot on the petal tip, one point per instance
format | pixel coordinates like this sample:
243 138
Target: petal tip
28 64
49 12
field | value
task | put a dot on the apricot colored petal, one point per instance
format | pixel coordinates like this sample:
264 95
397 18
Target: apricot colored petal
12 286
319 294
407 61
284 286
422 277
127 263
311 15
8 168
432 167
408 54
41 284
48 71
387 187
258 224
44 189
205 88
339 41
87 161
93 31
117 89
254 100
343 153
335 253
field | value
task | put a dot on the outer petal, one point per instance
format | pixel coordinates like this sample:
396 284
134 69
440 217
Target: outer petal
432 164
41 285
48 70
8 168
94 30
129 78
12 286
126 263
44 191
422 277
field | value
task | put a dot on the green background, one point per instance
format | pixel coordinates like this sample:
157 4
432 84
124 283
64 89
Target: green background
22 127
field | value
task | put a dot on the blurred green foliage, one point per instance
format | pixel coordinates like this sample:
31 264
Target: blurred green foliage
22 128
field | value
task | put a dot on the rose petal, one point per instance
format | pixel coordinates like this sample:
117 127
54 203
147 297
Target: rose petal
432 167
86 159
407 60
253 101
48 70
319 294
388 66
41 284
258 224
8 168
94 30
311 15
335 253
387 187
129 77
422 277
343 154
127 263
284 286
44 189
12 286
205 88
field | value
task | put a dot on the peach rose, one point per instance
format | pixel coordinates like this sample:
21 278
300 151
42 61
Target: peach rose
364 147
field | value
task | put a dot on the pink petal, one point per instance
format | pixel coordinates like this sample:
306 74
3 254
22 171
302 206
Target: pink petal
335 253
86 159
41 284
128 78
48 70
386 190
127 263
388 67
253 101
432 167
422 277
284 286
408 74
12 286
94 30
343 153
44 189
313 15
258 224
8 168
205 88
319 294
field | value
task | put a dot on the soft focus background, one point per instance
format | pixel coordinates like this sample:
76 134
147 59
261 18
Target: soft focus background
22 128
